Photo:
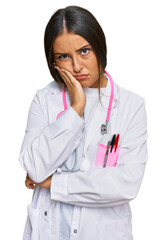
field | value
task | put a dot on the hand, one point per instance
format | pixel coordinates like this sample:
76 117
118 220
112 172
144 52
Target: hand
75 90
31 184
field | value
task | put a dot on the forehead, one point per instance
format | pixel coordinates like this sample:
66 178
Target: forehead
68 42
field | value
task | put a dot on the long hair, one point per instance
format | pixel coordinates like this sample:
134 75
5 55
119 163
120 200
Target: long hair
80 21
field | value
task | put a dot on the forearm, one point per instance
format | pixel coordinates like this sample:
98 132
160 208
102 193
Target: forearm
106 187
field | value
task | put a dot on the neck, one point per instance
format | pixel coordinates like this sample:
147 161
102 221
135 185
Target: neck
103 81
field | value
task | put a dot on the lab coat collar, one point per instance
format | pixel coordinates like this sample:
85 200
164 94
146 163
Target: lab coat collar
55 88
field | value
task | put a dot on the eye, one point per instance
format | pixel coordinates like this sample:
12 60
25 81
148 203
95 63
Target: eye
63 56
85 51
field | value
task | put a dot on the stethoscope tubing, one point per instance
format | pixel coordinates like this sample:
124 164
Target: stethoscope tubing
107 119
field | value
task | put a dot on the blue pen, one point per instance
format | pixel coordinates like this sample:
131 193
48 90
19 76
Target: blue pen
113 142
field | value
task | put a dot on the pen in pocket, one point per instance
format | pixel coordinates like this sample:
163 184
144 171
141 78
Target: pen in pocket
113 142
116 142
106 155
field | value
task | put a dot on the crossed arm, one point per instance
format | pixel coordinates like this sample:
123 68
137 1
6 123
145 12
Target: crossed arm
78 100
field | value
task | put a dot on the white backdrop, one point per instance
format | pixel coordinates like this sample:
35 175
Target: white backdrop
137 60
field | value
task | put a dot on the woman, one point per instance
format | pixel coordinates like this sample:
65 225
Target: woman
84 148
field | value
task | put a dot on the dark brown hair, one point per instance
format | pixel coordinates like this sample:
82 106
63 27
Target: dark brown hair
79 21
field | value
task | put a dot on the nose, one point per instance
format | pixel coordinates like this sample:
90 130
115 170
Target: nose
77 65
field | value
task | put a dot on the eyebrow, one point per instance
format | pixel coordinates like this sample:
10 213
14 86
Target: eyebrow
88 45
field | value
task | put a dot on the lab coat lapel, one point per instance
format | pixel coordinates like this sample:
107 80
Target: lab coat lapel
99 117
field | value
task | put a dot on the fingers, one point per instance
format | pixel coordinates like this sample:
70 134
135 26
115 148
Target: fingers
75 90
67 77
29 183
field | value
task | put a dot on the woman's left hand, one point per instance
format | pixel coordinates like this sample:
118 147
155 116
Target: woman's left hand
31 184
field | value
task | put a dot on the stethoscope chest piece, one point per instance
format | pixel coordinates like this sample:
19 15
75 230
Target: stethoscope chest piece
103 129
106 128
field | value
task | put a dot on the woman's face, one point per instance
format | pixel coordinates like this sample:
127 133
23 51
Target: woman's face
74 54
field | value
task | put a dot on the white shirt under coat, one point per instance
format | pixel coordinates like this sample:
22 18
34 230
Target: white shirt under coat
66 210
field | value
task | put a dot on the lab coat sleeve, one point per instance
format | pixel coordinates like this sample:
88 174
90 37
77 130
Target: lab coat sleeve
46 146
110 186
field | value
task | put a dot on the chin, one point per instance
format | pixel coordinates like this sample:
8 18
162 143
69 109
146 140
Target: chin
84 85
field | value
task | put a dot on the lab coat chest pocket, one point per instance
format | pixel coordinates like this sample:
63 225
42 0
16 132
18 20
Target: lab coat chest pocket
112 156
107 155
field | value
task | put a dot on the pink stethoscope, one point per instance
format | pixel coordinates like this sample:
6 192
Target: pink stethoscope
105 128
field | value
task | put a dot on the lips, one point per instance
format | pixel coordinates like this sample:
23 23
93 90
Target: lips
80 77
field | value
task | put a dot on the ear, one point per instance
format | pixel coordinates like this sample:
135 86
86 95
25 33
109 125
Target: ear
54 63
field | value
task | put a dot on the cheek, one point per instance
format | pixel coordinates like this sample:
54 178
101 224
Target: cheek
64 65
93 63
94 70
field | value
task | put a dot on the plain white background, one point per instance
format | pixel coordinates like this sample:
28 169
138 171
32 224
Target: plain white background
137 60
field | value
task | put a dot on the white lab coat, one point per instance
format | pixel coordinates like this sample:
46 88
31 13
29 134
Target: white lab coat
100 195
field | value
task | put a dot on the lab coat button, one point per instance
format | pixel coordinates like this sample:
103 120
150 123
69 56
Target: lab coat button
45 213
75 230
